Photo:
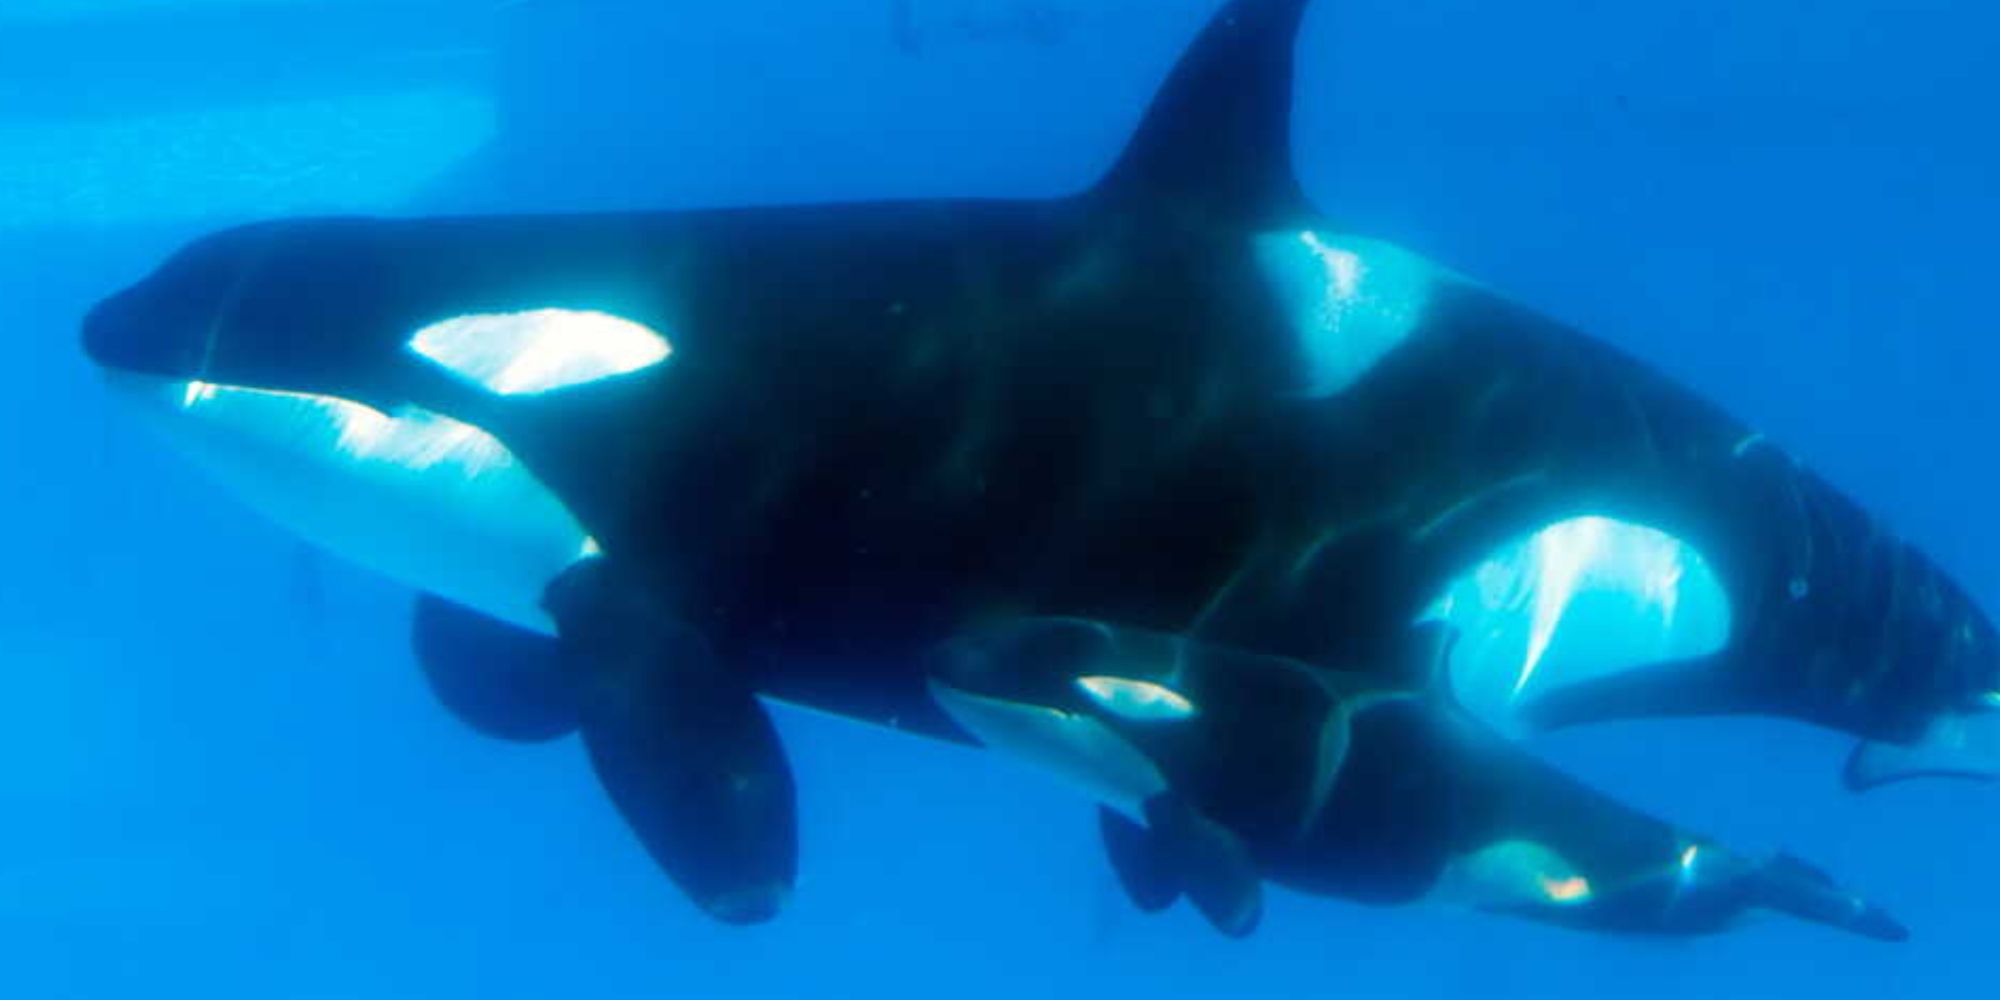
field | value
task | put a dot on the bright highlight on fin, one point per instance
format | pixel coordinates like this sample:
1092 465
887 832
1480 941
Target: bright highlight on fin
523 353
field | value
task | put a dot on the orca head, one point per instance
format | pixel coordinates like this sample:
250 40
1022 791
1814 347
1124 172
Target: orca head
293 363
1093 704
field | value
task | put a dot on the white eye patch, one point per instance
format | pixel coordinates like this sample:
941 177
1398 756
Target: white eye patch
523 353
1137 700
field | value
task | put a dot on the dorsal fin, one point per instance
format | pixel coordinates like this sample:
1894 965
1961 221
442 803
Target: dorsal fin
1217 137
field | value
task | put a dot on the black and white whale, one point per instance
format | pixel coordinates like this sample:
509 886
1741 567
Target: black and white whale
1220 769
649 467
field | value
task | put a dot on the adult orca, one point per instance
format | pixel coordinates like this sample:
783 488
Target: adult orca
652 466
1219 769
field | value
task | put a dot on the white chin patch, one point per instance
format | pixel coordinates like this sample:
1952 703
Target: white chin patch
1079 750
1350 301
431 501
523 353
1579 599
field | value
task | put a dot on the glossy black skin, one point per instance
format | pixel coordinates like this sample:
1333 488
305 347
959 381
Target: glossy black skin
878 424
884 424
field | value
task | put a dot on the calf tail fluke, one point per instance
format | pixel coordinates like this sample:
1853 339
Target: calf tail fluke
1791 886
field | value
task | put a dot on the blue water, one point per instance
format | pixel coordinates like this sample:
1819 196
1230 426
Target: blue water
220 774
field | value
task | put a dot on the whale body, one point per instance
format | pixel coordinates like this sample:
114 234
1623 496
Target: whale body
648 468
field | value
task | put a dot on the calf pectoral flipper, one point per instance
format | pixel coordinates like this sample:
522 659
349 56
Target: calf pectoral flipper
683 747
1073 695
1211 863
1178 851
1150 881
502 680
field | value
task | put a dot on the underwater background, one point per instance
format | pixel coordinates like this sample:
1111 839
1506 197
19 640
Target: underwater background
220 771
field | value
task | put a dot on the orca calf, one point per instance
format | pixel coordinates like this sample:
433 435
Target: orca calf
648 468
1219 769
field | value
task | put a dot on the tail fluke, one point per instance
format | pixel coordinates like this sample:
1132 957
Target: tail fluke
1955 745
1792 887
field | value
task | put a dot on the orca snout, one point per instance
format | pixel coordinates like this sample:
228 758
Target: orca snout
168 324
141 332
107 332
